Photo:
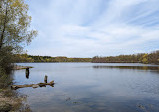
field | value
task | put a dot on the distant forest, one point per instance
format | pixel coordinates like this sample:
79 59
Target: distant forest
151 58
31 58
146 58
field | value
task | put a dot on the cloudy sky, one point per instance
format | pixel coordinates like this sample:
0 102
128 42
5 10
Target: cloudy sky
87 28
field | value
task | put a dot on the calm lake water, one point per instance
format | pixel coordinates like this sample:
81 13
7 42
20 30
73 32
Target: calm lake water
92 87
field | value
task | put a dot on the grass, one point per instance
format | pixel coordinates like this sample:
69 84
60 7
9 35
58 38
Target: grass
10 101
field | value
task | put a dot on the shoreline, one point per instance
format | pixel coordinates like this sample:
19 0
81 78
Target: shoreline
10 101
19 67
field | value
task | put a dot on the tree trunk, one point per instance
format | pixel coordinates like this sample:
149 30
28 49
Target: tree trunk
4 26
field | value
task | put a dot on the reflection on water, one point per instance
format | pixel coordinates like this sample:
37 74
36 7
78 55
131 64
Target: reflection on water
80 87
130 67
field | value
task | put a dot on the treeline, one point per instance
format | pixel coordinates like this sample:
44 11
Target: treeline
146 58
151 58
31 58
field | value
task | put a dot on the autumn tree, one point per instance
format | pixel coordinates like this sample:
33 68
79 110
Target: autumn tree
145 58
14 24
15 30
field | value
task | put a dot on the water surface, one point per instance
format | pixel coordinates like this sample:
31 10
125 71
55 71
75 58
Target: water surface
92 87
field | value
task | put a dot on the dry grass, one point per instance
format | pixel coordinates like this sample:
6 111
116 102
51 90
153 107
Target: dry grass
10 101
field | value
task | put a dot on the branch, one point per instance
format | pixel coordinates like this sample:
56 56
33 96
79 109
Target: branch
33 85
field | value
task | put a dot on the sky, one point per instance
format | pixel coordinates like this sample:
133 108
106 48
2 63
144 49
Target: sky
87 28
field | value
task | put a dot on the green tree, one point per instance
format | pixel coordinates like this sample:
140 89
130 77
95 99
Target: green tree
14 24
15 30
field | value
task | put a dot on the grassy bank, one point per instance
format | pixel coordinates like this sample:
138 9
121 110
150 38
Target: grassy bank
10 100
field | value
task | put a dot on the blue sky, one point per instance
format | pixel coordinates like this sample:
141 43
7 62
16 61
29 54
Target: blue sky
87 28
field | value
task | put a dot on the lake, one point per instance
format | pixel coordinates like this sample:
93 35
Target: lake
91 87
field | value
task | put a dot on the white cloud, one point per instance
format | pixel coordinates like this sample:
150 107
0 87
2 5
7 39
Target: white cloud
80 28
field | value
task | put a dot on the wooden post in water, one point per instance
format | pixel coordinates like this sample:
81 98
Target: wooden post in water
45 78
27 73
